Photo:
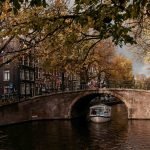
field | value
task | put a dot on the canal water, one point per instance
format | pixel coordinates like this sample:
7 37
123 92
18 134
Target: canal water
118 134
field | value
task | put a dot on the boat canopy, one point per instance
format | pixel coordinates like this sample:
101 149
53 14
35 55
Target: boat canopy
99 106
100 110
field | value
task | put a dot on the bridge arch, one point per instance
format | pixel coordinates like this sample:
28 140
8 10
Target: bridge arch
83 100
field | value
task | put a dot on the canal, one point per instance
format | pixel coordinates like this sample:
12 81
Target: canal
118 134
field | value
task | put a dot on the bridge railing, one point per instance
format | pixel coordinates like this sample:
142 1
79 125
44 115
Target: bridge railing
15 98
129 85
8 99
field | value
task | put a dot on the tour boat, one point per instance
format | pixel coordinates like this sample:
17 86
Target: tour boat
100 113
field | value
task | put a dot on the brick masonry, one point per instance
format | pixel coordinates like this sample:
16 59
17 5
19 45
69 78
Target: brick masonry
61 105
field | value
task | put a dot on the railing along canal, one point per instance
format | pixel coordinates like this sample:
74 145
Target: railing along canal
16 98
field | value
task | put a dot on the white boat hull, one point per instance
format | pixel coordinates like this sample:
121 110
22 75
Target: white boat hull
99 119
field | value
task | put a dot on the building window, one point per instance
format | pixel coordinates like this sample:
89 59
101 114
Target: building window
22 60
32 76
26 61
37 89
27 89
22 74
6 89
27 74
6 75
22 89
31 63
39 73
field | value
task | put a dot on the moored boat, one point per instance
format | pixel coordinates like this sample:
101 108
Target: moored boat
100 113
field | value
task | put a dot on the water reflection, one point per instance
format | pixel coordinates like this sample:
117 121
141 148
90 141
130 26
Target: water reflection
139 134
17 137
119 134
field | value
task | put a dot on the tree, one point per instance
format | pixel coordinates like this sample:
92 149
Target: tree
141 33
147 83
122 71
143 40
141 81
38 24
100 58
104 59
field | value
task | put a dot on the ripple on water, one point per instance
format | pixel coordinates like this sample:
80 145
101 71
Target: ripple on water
118 134
3 141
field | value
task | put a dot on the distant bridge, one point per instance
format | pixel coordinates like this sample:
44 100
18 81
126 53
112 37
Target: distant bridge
68 105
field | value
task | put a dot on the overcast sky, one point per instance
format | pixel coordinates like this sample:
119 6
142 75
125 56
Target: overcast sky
138 67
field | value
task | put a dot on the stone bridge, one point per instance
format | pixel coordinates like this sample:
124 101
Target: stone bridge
69 105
